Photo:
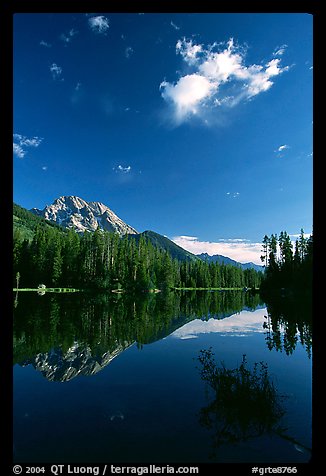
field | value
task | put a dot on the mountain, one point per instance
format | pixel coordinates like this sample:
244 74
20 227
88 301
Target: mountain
225 260
74 212
163 243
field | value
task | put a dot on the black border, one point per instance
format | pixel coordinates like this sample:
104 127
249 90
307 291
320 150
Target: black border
8 9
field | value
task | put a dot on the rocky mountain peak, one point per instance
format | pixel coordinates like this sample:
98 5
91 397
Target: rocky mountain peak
80 215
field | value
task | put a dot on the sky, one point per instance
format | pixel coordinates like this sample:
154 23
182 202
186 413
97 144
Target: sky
196 126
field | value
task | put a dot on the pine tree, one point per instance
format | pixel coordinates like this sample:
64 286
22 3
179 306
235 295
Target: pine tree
39 251
292 271
56 267
302 245
71 259
264 256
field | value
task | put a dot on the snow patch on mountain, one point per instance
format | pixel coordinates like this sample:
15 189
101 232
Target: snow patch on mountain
74 212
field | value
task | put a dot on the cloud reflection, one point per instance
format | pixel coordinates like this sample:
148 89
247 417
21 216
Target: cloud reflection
242 324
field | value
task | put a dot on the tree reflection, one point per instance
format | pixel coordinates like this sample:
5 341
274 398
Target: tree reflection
245 403
287 323
105 322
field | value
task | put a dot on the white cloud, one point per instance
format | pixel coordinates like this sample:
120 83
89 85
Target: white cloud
18 151
242 251
63 37
128 51
233 194
99 24
124 170
283 147
259 79
273 68
188 51
22 142
56 71
187 94
25 141
280 50
66 38
220 66
44 43
234 240
281 150
215 71
174 25
259 82
186 237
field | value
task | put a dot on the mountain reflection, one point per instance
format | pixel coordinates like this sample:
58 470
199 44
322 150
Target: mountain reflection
56 365
65 336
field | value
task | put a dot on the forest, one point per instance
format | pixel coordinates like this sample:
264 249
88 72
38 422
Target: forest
103 260
288 266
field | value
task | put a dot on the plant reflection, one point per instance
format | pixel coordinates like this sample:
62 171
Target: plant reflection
245 403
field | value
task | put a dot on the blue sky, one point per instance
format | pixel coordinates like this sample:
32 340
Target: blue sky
196 126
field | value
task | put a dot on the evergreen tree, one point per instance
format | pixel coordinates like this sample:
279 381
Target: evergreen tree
56 267
71 258
272 257
302 245
264 256
292 271
38 256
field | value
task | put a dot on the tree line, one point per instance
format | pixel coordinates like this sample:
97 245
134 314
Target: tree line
103 260
288 265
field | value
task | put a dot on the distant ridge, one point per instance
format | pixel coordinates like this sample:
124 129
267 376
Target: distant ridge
224 259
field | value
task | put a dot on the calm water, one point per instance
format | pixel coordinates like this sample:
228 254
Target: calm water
111 379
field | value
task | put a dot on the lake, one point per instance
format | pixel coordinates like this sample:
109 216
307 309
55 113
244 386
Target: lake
110 378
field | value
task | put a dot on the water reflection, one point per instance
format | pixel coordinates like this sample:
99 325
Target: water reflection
238 325
245 403
144 406
287 323
64 336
